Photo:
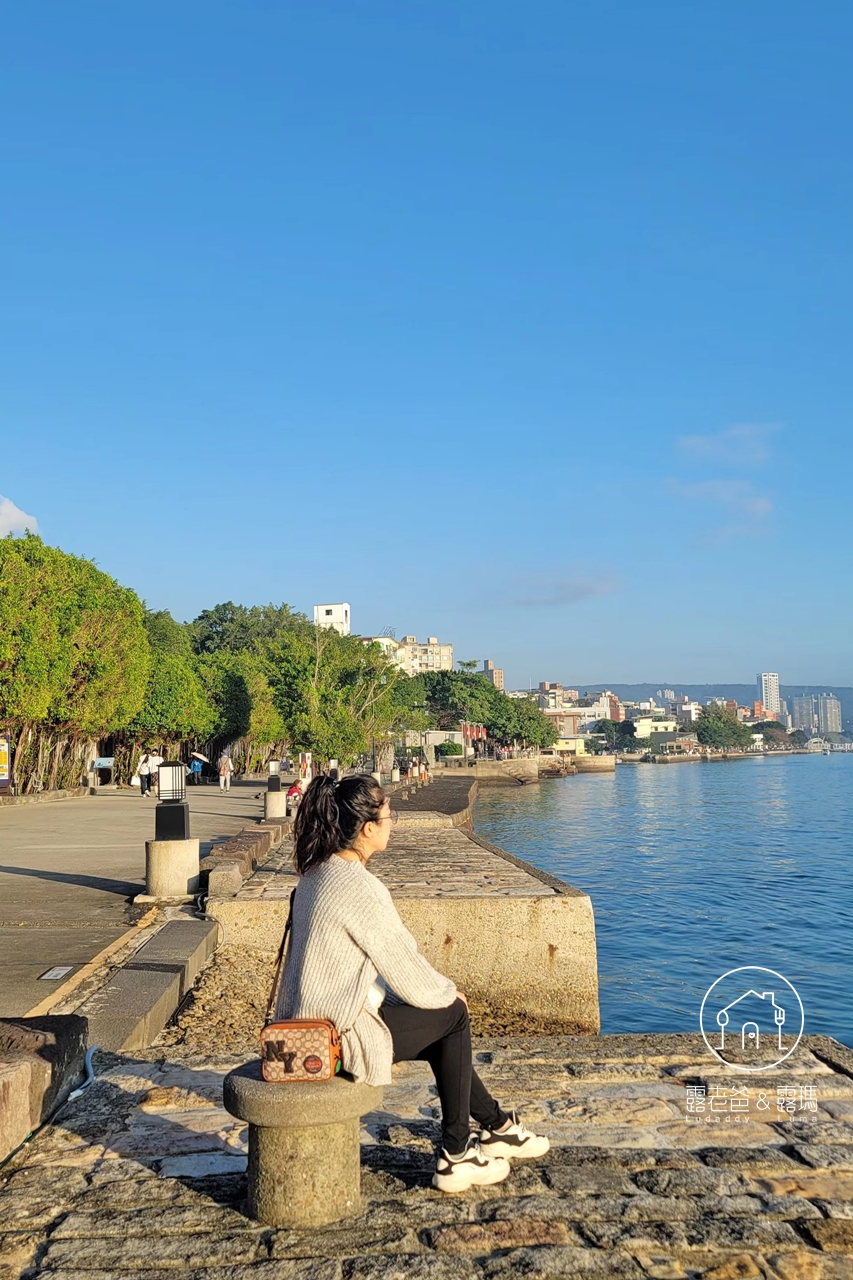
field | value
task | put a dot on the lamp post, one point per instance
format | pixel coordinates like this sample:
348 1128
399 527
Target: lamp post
172 857
172 814
275 800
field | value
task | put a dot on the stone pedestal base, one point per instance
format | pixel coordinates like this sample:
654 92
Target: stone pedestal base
304 1152
171 869
275 805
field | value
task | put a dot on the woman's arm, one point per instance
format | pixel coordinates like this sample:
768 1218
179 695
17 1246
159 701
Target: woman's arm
376 927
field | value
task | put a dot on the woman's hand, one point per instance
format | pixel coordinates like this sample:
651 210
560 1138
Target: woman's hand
460 995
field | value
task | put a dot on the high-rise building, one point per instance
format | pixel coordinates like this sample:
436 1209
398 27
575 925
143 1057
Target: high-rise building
768 690
493 673
334 616
828 713
804 714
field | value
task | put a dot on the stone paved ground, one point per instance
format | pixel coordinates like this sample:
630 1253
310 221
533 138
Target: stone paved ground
422 862
144 1176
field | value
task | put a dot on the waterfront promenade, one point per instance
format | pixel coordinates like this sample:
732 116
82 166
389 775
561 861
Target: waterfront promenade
69 870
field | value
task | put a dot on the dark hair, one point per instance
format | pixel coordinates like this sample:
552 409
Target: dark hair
330 816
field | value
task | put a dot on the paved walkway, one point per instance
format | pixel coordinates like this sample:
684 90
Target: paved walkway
664 1165
68 872
423 862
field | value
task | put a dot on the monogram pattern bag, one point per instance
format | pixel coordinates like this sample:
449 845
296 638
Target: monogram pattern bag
298 1049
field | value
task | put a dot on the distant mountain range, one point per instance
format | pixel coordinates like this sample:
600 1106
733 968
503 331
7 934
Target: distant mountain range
745 694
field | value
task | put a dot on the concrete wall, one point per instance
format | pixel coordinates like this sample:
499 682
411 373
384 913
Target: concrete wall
595 764
492 772
515 955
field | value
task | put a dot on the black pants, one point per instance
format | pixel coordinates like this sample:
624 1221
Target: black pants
442 1037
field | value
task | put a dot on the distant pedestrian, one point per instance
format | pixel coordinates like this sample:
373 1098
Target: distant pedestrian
154 762
226 768
195 771
144 771
294 795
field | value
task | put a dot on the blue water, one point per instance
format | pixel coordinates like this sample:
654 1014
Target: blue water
695 869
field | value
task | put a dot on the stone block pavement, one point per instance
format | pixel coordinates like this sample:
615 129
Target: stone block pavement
421 863
664 1164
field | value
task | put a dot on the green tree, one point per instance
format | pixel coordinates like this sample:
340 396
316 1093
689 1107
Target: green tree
235 627
73 659
719 727
608 729
176 707
799 738
456 696
334 693
467 665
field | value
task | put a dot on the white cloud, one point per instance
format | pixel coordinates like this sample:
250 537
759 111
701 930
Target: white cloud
13 519
742 446
747 510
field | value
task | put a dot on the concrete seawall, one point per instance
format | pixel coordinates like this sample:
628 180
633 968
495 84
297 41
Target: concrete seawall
518 941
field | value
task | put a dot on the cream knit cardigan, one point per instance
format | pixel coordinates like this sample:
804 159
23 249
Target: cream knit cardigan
345 930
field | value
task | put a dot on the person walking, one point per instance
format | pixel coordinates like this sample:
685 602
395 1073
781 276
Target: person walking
226 768
195 771
352 960
154 762
144 771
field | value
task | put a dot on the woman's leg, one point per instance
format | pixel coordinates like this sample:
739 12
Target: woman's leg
442 1037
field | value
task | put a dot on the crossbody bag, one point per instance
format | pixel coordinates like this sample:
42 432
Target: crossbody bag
298 1049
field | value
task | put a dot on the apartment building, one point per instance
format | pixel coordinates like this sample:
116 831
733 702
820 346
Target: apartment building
416 658
493 673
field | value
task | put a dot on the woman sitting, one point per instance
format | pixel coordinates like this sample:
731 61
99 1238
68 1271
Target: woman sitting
352 960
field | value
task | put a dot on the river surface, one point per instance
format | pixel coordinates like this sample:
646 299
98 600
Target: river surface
696 869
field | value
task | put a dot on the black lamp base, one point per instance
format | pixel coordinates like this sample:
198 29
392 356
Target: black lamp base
172 820
273 783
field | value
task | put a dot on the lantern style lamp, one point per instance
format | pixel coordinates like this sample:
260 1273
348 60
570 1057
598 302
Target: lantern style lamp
172 814
274 779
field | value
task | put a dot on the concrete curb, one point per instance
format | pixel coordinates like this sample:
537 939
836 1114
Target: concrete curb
45 797
240 855
41 1059
134 1005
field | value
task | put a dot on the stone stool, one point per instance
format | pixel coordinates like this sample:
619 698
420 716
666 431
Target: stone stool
304 1155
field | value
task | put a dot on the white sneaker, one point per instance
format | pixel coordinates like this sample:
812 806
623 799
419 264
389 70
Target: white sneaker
514 1141
472 1168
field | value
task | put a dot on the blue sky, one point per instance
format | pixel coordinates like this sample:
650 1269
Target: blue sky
524 326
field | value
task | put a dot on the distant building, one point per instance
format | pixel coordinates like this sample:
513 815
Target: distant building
416 659
648 726
805 717
768 690
334 616
387 644
828 713
669 694
493 673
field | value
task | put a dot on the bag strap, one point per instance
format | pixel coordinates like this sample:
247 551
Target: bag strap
279 962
